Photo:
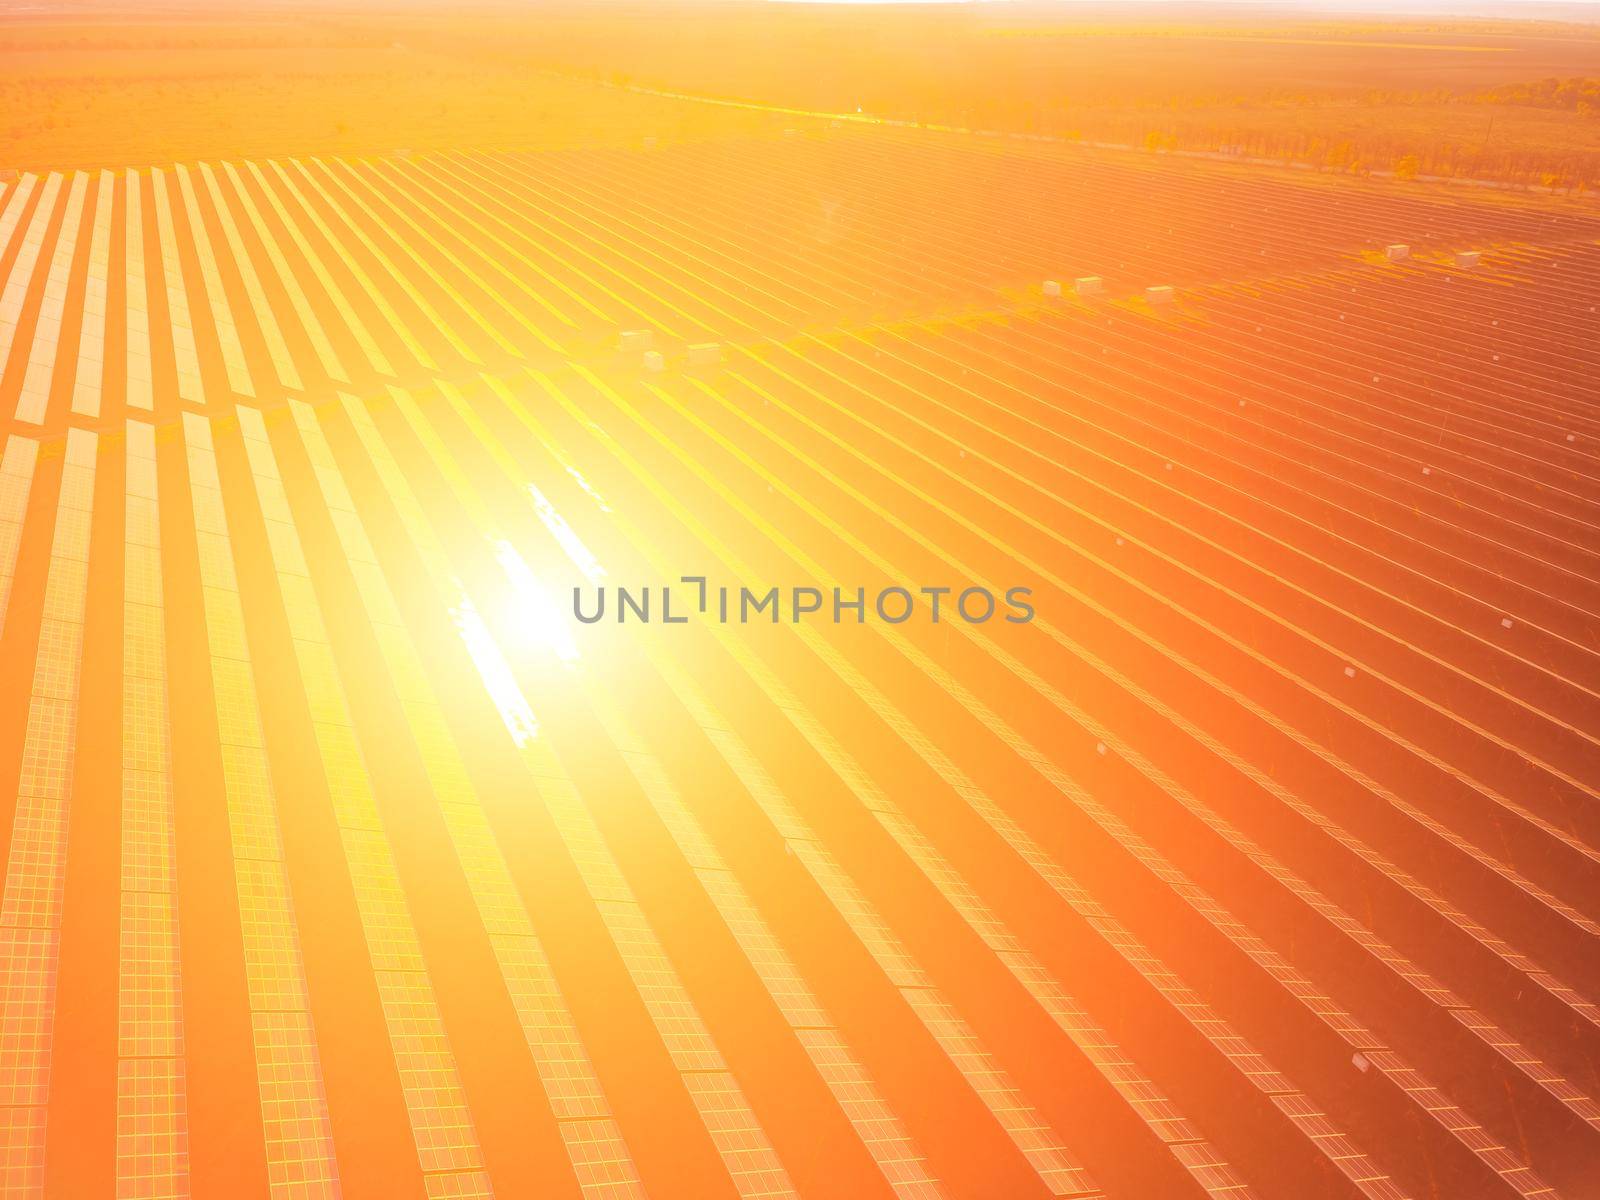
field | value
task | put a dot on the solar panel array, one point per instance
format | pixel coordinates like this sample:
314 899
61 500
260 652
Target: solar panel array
1264 861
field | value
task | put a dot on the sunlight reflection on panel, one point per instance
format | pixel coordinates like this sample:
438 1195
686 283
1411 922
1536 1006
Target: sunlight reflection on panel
563 533
495 672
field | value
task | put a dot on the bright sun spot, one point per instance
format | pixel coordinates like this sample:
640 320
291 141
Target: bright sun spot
535 610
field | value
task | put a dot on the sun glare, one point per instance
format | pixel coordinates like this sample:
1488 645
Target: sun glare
533 609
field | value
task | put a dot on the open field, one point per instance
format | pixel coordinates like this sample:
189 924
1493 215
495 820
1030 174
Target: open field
109 105
340 860
1225 77
1440 98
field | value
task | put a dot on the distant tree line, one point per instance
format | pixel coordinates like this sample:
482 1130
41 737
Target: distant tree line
1574 95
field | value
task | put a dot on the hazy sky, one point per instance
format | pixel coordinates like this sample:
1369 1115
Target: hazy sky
1464 7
